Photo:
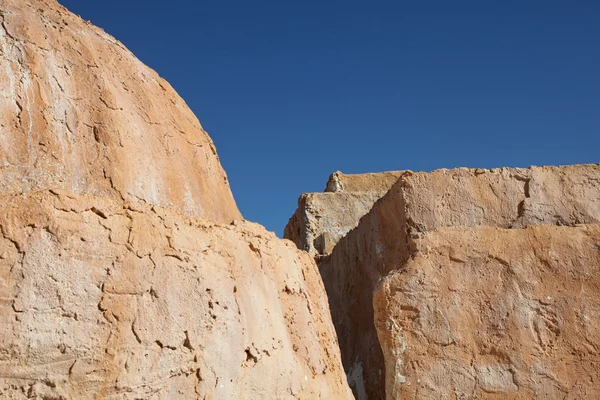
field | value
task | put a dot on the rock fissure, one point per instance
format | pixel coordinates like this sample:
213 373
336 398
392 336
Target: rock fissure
447 265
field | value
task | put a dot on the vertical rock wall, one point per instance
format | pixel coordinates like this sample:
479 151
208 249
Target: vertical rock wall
126 270
463 282
321 219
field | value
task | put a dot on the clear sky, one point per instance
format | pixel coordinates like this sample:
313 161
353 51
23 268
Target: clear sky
291 91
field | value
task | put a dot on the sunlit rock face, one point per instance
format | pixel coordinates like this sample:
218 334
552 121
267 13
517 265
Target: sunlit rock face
79 112
126 271
322 219
472 283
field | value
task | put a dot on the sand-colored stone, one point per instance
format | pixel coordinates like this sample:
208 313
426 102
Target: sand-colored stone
491 313
78 111
503 197
369 182
101 299
543 219
321 219
126 271
350 274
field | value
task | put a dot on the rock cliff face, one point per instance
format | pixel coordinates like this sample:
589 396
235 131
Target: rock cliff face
474 283
489 313
323 218
107 299
125 268
79 112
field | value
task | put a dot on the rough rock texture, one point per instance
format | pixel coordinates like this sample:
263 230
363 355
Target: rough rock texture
370 182
79 112
350 273
481 279
321 219
122 275
104 299
490 313
506 197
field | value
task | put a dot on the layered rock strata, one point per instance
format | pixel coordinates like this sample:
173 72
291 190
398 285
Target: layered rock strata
474 284
126 270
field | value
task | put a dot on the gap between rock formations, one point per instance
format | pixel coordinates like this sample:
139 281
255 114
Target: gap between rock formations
394 221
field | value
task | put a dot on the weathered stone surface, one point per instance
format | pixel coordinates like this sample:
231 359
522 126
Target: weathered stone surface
104 299
492 313
370 182
79 112
504 197
540 224
321 219
350 274
125 269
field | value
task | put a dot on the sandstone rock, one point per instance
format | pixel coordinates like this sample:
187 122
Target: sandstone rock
491 313
323 218
112 300
510 237
79 112
504 197
350 274
122 275
370 182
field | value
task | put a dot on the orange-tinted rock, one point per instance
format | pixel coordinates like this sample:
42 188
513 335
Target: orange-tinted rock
474 283
111 300
122 274
490 313
80 112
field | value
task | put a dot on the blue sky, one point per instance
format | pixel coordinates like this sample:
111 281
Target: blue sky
291 91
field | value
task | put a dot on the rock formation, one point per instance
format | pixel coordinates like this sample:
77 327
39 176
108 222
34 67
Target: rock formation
321 219
79 112
126 270
473 283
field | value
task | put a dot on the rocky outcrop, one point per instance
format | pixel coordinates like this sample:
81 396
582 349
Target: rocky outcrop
488 313
126 270
112 300
79 112
321 219
480 283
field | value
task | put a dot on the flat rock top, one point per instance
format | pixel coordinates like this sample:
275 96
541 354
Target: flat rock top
503 197
369 182
80 112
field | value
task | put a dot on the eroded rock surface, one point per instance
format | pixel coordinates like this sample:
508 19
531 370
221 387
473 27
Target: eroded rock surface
126 271
80 112
112 300
321 219
475 283
491 313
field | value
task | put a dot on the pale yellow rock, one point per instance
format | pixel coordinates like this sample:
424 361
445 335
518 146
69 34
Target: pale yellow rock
370 182
321 219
